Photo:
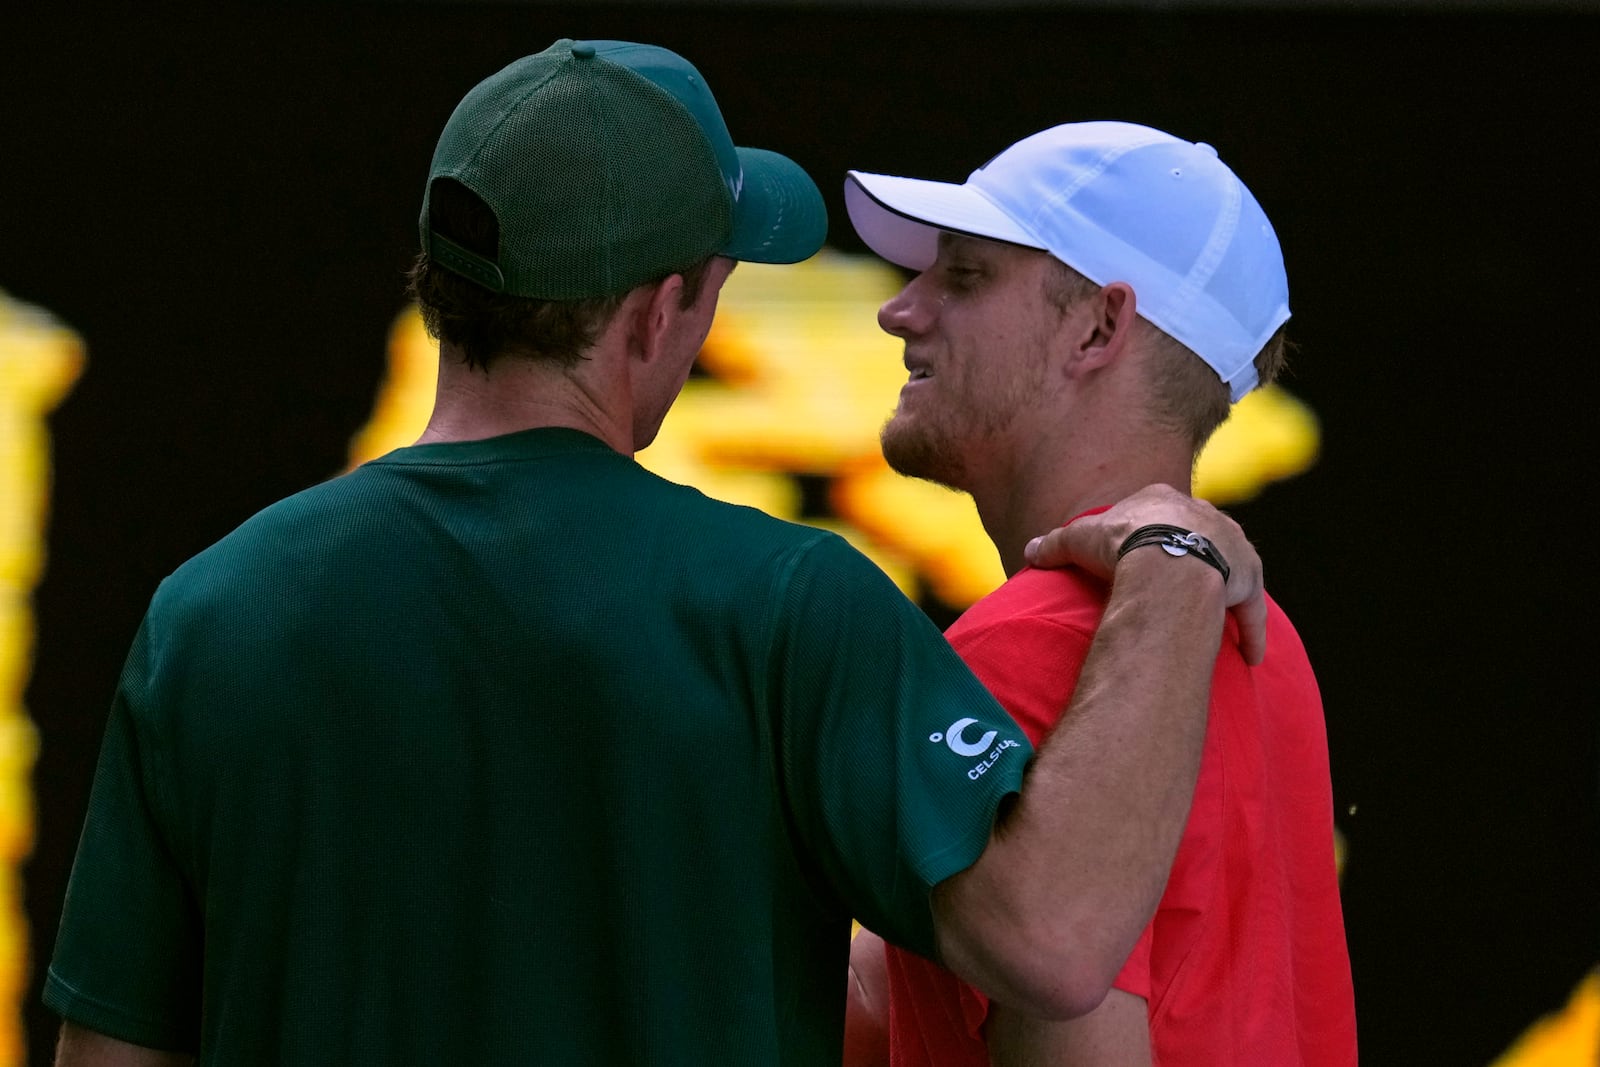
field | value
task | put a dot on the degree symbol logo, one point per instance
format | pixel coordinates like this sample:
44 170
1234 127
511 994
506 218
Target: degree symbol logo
959 744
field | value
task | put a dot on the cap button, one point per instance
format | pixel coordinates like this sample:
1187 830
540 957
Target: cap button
583 51
1207 149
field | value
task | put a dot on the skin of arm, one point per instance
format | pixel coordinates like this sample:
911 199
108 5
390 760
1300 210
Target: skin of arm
1116 1034
82 1047
866 1014
1046 917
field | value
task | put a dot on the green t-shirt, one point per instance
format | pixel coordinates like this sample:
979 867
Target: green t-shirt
510 751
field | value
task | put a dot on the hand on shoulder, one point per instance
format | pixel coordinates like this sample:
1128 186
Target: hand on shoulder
1093 541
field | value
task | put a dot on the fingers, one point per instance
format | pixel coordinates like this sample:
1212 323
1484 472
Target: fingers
1251 615
1246 597
1084 543
1091 542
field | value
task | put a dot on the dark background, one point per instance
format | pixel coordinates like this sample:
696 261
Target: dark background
223 206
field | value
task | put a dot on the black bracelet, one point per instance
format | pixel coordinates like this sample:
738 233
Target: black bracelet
1176 541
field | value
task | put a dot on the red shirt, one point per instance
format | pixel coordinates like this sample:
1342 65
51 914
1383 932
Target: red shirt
1245 960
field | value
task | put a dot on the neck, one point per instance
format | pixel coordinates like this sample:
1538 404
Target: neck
514 394
1056 482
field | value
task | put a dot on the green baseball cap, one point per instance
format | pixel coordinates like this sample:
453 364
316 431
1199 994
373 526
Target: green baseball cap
607 164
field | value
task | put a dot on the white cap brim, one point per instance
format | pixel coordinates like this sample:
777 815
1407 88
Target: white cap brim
900 218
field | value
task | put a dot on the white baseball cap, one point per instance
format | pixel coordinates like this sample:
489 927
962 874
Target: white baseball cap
1117 202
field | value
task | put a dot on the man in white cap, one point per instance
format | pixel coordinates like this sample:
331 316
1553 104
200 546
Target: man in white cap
1088 305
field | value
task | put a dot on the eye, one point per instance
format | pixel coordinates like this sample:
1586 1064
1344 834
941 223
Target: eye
961 277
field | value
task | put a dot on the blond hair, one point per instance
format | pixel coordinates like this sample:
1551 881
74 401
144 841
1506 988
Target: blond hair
1186 395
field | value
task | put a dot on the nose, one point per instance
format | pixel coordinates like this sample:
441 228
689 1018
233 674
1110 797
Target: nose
910 311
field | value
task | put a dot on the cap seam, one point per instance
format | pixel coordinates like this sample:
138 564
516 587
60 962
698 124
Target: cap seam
1223 228
471 163
1066 195
602 118
705 142
505 116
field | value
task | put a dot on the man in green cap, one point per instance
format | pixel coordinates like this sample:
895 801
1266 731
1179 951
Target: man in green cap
501 749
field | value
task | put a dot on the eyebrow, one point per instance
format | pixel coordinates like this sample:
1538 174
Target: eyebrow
956 243
952 243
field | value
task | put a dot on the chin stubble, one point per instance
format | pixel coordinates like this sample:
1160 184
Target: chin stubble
919 453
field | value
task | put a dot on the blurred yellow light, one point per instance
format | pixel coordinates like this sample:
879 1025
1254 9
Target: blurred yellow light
1269 437
1567 1038
405 399
39 361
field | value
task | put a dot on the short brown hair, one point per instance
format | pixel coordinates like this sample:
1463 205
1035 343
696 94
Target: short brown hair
487 326
1186 395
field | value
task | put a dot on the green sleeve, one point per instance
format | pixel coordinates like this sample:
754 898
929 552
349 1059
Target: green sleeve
894 759
127 958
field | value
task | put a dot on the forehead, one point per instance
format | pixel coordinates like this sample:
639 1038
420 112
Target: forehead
960 244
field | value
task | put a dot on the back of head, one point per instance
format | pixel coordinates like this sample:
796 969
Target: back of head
598 166
1117 202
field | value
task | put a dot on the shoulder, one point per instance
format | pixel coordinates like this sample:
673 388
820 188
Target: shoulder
1278 700
1028 640
1034 600
276 534
1281 630
735 539
1286 658
724 523
1287 667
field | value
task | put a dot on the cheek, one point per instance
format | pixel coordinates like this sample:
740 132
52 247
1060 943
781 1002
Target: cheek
703 327
698 330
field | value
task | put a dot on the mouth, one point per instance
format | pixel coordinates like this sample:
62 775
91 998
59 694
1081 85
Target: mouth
918 369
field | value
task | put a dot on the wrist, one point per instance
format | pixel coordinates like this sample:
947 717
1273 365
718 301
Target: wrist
1159 595
1174 541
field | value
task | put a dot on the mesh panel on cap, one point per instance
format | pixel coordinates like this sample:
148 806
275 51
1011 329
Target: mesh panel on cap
601 181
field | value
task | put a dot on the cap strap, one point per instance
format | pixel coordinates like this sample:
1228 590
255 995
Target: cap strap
452 256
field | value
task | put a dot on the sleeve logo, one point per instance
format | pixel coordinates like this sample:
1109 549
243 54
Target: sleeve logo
958 744
987 746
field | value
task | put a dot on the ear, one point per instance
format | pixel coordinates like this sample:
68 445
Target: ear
652 319
1101 328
